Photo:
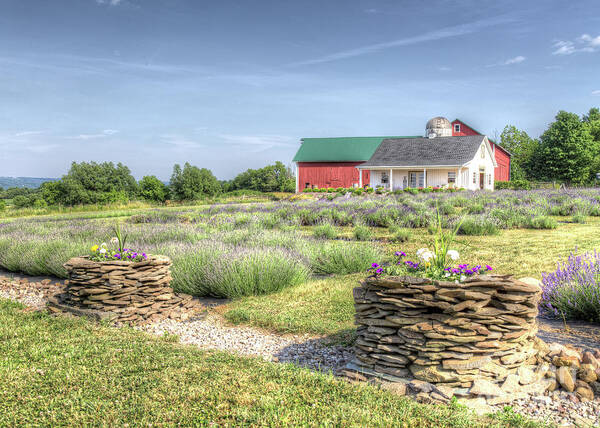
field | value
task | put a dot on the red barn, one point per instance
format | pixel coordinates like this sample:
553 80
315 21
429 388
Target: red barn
502 171
333 162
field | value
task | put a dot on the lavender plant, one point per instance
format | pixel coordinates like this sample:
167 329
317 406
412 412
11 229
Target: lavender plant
573 290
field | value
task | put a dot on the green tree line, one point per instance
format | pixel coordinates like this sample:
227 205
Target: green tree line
103 183
567 152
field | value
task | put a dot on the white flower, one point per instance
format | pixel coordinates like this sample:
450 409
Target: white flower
102 251
427 256
462 278
453 254
103 245
114 240
421 251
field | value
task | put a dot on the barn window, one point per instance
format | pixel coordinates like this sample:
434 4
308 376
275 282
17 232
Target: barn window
385 178
306 185
451 177
474 178
457 127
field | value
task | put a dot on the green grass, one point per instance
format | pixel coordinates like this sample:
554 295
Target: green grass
71 372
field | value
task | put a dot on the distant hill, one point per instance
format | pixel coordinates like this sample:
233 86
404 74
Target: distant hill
30 182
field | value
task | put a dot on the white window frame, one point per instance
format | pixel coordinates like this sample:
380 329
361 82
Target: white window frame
457 127
451 177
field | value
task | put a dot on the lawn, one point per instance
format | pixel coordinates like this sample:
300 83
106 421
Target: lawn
72 372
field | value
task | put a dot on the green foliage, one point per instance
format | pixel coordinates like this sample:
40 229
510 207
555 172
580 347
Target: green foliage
542 222
192 183
152 189
478 226
579 218
325 231
399 234
343 258
522 148
271 178
513 184
566 151
362 233
2 205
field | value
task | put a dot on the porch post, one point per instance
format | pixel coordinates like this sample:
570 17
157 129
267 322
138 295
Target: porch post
391 180
360 178
424 177
297 178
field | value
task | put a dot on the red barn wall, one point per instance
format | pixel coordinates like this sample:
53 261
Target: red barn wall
330 174
502 171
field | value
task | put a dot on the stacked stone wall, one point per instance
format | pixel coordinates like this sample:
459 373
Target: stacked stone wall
446 332
131 292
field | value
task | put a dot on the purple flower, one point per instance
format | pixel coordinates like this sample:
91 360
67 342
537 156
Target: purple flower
375 265
400 254
488 267
379 270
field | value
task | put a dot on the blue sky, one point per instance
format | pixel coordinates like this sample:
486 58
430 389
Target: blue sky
231 85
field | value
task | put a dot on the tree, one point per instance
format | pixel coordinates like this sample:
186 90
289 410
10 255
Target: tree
192 183
271 178
92 182
152 189
522 147
566 151
592 122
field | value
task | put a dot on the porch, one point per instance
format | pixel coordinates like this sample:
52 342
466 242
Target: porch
401 178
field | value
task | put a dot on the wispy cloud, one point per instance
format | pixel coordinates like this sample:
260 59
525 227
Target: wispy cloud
444 33
597 92
109 2
584 43
28 133
515 60
259 143
105 133
181 143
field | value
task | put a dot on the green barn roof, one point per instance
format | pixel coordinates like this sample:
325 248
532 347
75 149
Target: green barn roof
338 149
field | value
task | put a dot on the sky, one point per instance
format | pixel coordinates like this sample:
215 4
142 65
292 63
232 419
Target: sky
231 85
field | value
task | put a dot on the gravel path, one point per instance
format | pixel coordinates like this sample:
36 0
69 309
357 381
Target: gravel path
211 332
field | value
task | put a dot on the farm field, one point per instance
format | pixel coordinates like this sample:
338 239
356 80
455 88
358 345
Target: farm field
290 266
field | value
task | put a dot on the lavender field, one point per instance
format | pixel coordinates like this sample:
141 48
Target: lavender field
258 248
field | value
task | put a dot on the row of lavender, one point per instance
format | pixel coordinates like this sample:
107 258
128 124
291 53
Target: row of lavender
490 211
210 258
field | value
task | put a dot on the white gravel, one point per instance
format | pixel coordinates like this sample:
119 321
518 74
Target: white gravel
212 333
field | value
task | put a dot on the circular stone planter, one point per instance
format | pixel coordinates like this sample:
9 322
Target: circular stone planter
126 292
445 332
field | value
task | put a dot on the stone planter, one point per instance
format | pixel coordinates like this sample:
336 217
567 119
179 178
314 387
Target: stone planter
126 292
445 332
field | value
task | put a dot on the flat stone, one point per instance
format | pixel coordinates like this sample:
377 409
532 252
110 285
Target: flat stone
485 388
526 375
565 378
471 363
433 374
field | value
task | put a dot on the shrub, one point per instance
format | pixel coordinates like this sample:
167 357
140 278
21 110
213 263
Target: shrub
220 273
325 231
542 222
399 234
573 290
362 233
476 208
307 190
337 258
477 226
2 205
579 218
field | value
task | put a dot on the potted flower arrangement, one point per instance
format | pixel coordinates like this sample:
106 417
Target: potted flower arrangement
117 251
435 263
